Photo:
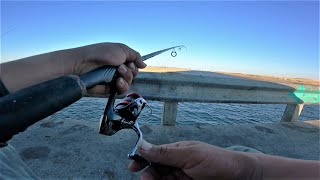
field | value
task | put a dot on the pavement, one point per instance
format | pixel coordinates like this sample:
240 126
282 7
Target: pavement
74 148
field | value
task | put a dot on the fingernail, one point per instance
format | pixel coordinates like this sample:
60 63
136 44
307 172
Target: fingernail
121 82
144 64
122 68
132 66
145 145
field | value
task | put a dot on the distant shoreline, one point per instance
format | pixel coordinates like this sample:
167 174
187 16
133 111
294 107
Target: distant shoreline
277 79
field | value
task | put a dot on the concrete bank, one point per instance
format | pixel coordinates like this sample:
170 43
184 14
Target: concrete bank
64 149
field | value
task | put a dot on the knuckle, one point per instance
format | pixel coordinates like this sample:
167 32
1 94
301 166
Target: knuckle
133 66
122 90
135 73
129 77
119 44
123 46
138 55
163 151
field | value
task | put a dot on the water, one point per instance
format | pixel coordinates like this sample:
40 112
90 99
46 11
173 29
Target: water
191 113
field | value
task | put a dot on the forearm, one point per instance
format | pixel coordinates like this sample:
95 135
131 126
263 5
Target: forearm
32 70
274 167
279 168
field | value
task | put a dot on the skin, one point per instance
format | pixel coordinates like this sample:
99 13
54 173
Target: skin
197 160
33 70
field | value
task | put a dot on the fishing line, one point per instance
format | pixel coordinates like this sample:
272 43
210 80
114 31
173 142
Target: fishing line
7 32
151 112
173 53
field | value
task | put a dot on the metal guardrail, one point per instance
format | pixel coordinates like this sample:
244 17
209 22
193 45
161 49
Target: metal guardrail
176 87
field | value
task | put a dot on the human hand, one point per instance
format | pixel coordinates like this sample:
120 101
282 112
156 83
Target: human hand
36 69
113 54
193 160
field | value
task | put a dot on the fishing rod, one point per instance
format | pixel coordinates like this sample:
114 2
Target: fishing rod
25 107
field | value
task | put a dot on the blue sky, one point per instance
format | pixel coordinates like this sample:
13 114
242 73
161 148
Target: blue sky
266 37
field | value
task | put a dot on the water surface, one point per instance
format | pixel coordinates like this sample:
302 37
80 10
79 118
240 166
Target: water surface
90 109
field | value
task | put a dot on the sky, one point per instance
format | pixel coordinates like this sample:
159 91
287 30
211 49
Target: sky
278 38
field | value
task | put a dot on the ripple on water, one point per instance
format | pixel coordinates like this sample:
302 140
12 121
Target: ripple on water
189 113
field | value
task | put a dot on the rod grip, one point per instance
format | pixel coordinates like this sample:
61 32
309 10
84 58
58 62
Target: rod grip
25 107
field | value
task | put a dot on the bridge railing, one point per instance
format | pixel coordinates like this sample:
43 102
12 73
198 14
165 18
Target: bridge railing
172 88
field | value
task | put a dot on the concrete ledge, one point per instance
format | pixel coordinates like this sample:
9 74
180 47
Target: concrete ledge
64 149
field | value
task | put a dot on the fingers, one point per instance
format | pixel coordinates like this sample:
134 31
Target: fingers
164 154
163 172
126 78
179 174
113 54
150 174
133 56
125 73
121 84
169 160
133 68
136 166
139 62
101 54
158 172
100 90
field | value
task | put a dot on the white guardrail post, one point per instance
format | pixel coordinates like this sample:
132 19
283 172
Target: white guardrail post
169 113
292 112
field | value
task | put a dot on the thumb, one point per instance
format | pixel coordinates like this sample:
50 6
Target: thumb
163 154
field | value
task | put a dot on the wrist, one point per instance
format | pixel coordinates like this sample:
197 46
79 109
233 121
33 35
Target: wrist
70 59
